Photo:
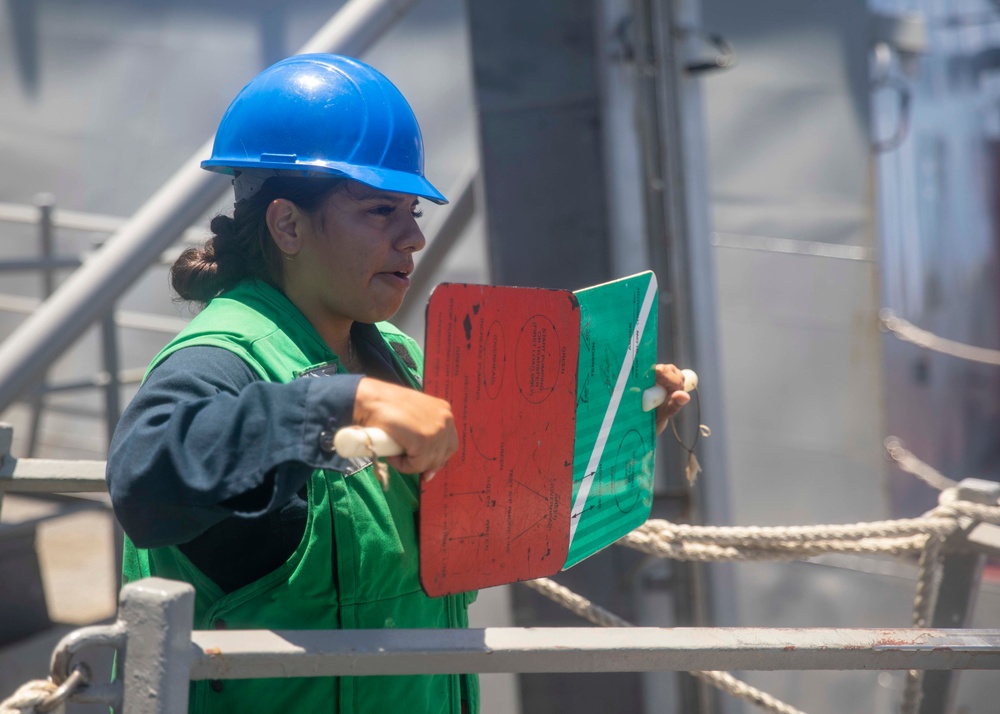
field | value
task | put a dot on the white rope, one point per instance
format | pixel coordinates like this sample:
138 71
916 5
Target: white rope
733 543
741 690
976 511
909 463
929 572
763 536
28 697
664 548
926 534
909 332
599 616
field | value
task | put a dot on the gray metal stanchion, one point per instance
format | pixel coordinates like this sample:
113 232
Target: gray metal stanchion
46 205
158 615
957 589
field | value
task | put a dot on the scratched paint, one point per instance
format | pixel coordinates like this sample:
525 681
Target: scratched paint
505 359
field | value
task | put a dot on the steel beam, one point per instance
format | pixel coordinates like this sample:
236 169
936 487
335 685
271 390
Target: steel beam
90 291
537 96
246 654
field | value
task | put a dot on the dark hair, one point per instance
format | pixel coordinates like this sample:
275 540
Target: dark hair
241 247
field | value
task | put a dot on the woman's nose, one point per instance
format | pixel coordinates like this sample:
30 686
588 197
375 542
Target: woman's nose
412 239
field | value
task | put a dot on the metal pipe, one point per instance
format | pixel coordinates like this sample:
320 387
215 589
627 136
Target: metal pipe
46 204
79 220
46 265
98 381
112 389
246 654
112 413
90 291
123 318
52 476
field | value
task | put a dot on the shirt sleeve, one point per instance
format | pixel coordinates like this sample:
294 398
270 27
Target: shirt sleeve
204 439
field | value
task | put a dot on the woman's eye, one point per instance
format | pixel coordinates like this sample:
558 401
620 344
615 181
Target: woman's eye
389 209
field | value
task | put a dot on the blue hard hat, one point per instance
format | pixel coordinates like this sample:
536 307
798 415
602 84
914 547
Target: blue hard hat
324 115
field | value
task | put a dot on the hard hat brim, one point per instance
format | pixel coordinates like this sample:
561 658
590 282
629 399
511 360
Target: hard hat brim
380 178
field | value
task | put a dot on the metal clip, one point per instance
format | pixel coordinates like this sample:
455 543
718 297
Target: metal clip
72 644
77 680
725 57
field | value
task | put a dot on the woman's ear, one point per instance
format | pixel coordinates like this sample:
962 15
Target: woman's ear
286 223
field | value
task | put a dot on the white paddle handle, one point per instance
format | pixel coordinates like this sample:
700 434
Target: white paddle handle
356 441
656 395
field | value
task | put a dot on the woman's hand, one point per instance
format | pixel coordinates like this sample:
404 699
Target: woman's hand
421 424
672 380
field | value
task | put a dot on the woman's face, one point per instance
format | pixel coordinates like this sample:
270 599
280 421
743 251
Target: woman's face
355 255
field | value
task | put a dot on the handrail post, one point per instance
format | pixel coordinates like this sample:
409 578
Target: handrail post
46 203
957 588
109 354
112 414
158 616
6 443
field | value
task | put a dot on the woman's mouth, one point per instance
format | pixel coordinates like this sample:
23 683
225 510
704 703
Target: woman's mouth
399 277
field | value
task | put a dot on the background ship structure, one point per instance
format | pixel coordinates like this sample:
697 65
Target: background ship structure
814 183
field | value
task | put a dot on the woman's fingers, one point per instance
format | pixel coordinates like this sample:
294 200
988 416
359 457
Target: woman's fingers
421 424
425 428
671 379
428 460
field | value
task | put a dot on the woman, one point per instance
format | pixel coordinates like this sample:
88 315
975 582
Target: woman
222 471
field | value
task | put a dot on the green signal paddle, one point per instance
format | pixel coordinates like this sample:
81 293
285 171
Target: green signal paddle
615 438
553 395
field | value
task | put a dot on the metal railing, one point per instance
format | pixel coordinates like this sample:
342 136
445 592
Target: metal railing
91 291
88 296
47 218
46 476
442 236
160 653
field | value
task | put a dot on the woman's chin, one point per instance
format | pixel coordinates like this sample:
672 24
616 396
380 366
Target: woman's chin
381 312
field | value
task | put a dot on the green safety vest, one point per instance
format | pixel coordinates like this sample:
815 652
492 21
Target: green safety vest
369 535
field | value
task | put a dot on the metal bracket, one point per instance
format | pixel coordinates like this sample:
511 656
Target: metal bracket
725 57
958 586
66 663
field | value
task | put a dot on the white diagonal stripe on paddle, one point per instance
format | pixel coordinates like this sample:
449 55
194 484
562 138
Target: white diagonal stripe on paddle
609 415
